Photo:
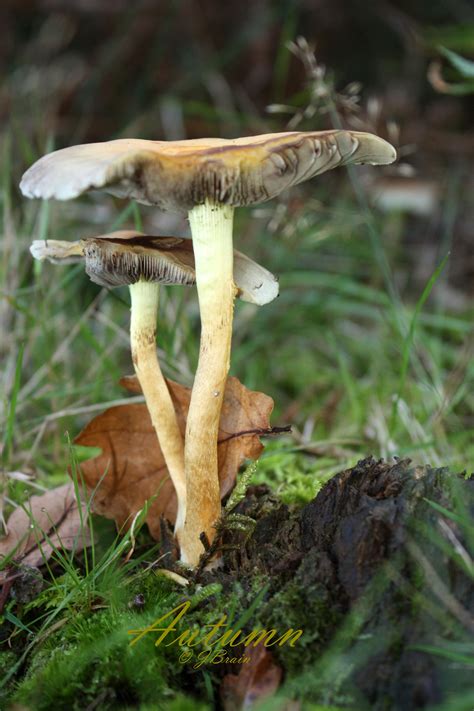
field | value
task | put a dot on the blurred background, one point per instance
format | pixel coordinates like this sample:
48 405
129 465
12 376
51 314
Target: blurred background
369 347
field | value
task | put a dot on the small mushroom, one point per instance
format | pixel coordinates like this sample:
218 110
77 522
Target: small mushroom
205 178
143 262
120 258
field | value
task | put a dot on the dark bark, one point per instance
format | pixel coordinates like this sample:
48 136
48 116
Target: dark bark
369 539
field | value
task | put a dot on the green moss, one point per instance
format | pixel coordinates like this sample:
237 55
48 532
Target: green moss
306 605
291 475
180 703
90 657
7 658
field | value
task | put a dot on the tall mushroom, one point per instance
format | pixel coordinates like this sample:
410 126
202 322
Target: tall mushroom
207 178
143 262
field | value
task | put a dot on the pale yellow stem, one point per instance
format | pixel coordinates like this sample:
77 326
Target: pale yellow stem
144 311
211 229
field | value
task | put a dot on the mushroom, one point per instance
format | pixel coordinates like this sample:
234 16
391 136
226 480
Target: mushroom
117 258
206 178
143 262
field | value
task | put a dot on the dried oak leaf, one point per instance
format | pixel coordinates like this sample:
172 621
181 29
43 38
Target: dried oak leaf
131 469
257 679
54 521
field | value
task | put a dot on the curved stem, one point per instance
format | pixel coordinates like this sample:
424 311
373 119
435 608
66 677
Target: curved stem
211 228
144 311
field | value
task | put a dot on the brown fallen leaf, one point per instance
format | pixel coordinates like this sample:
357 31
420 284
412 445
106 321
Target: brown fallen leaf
54 522
131 468
257 679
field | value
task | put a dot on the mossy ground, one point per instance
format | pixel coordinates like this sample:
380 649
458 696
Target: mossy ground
362 615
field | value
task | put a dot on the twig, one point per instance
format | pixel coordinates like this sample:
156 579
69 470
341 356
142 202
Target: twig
204 540
257 431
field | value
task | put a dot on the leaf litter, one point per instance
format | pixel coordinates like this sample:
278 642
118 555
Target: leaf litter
131 470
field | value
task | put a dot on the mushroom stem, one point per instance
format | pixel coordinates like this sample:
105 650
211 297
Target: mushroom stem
144 310
211 228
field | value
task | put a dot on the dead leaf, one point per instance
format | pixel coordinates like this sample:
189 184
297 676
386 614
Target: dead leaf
54 516
257 679
131 464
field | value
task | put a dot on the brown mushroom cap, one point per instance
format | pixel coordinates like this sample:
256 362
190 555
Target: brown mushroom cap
178 175
124 257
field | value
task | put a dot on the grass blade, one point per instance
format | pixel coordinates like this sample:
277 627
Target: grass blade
407 346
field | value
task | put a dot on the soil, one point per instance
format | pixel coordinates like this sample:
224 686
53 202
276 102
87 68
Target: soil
372 545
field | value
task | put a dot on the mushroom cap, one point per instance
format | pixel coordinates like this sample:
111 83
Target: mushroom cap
178 175
124 257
